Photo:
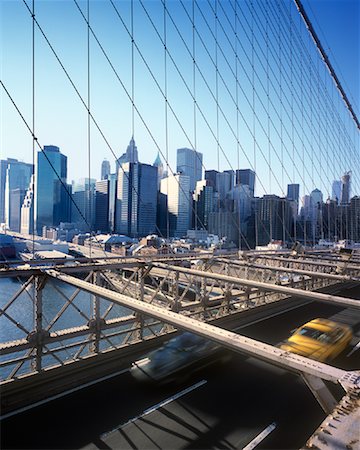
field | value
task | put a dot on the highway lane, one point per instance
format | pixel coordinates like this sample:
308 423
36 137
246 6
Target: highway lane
237 401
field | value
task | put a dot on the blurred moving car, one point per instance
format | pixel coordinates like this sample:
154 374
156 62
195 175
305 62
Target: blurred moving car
319 339
184 353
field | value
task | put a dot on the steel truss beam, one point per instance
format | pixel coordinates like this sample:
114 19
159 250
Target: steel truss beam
287 360
317 296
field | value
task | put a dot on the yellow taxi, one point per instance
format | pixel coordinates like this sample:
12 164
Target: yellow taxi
319 339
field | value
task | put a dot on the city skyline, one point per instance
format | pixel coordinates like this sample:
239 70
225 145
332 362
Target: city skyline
115 166
274 175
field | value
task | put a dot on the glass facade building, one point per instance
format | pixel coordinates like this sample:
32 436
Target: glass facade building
17 180
246 176
189 163
176 200
136 201
51 197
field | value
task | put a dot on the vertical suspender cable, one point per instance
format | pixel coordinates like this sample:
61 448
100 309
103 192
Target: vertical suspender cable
31 217
217 122
166 125
89 191
237 119
194 101
254 123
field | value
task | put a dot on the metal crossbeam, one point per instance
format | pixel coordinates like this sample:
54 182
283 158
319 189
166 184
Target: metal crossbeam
317 296
226 338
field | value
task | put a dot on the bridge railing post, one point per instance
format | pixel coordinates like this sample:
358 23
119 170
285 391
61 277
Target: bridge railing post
36 337
96 319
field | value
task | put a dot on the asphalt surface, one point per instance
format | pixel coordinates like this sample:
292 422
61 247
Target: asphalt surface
225 405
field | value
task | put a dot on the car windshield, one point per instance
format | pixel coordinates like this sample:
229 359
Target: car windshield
312 333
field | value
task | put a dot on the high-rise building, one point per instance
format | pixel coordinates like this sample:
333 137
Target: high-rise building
224 184
293 197
112 201
136 199
3 166
246 176
354 219
189 163
345 189
105 169
51 195
130 156
336 191
102 206
210 175
83 195
232 177
17 180
175 190
273 219
203 203
27 210
160 169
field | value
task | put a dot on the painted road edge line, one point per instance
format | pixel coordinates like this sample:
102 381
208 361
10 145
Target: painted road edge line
63 394
157 406
357 346
260 437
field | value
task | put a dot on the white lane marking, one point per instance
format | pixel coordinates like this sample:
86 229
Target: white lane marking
278 313
357 346
260 437
158 405
62 394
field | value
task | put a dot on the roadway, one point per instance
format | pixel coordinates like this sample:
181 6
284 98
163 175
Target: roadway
221 406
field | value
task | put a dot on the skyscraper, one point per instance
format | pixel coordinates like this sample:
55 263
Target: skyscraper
83 194
189 163
210 175
203 203
336 191
345 189
175 188
160 169
136 199
246 176
105 169
112 201
27 210
102 206
17 181
51 196
293 197
130 156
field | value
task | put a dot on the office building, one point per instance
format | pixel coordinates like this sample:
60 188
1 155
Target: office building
52 202
136 200
102 206
83 195
210 175
293 197
112 201
130 156
336 191
273 219
247 177
224 184
176 203
345 189
203 203
17 181
27 210
160 169
105 169
189 163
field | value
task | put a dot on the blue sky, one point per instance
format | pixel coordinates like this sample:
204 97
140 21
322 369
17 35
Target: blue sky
283 151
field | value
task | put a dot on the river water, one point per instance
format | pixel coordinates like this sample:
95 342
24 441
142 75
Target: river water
18 319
